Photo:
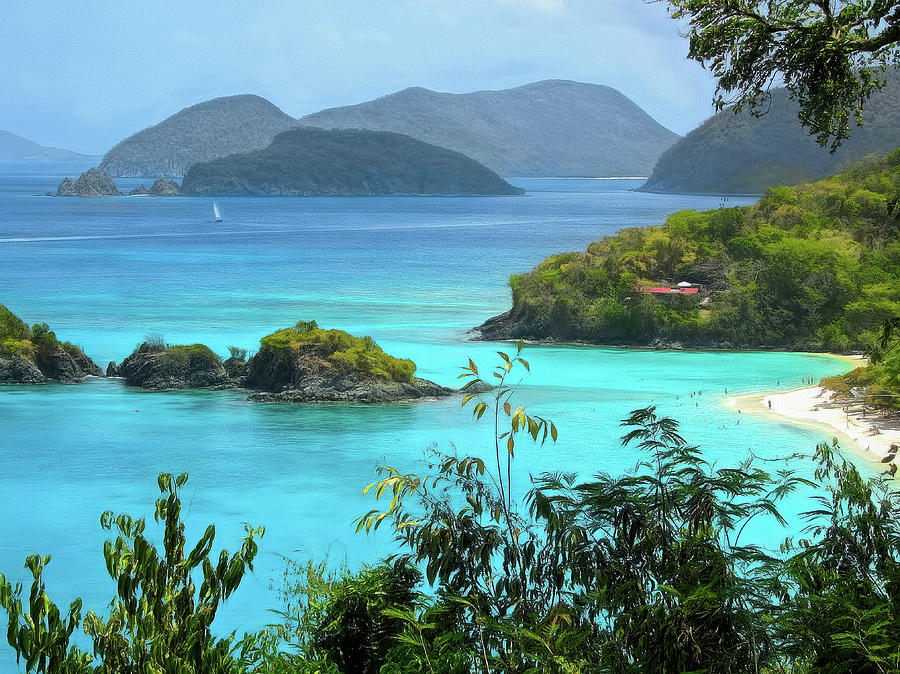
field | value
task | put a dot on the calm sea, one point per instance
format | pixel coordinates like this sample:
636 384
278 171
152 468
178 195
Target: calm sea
415 273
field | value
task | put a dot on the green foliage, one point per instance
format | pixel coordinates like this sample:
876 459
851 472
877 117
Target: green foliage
828 56
352 626
809 267
843 614
159 620
191 356
642 572
35 344
152 343
236 353
37 630
11 327
340 350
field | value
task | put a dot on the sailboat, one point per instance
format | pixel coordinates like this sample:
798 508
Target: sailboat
216 214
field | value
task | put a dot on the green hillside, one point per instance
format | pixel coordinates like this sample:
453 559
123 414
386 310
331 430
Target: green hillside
812 267
310 161
740 154
202 132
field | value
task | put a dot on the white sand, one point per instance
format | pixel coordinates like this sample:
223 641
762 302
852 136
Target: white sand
812 407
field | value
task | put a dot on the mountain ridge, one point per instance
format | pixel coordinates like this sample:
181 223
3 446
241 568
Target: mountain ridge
202 132
15 147
736 153
548 128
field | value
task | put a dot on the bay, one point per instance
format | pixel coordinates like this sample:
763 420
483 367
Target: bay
415 273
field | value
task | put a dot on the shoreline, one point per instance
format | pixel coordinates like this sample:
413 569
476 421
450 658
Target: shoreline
868 437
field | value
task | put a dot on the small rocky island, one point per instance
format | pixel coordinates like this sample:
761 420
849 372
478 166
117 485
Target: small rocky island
154 366
33 355
308 364
160 188
94 182
312 162
300 364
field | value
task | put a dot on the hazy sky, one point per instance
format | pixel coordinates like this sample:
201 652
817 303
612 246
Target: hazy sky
84 75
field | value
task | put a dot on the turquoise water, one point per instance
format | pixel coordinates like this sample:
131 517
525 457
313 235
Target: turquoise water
415 273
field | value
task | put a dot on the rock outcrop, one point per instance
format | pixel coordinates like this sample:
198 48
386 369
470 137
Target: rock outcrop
162 368
33 355
66 188
66 363
160 188
18 370
94 182
164 188
310 383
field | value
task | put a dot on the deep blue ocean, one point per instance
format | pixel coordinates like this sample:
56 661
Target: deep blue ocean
415 273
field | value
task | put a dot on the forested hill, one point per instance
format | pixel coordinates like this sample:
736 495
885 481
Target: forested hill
811 267
311 161
549 128
14 147
740 154
202 132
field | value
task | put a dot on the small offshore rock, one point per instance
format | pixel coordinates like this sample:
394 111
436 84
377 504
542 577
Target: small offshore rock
66 188
164 188
139 191
175 367
111 369
94 182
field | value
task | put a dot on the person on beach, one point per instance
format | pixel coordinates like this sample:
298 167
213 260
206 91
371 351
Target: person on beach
770 403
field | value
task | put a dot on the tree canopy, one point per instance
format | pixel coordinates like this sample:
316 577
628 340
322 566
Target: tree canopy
830 54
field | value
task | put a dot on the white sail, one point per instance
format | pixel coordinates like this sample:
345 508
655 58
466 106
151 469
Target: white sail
216 213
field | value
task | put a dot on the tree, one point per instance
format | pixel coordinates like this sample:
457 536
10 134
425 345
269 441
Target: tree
829 54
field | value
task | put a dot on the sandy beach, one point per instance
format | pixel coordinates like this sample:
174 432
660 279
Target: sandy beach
870 436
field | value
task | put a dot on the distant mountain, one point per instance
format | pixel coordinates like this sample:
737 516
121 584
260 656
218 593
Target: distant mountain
14 147
549 128
740 154
202 132
310 161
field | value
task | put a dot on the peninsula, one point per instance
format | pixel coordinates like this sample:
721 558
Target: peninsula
814 267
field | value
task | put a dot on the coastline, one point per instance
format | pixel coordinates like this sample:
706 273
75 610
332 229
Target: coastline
869 437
